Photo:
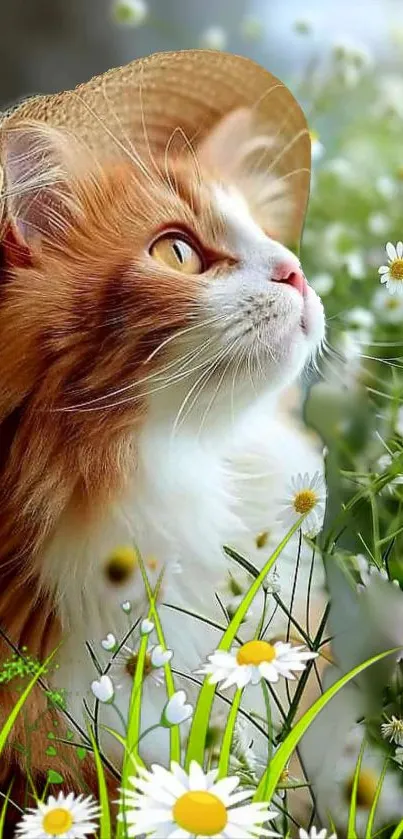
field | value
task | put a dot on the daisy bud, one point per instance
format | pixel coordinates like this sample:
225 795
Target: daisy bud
103 689
126 606
146 627
159 656
176 710
109 643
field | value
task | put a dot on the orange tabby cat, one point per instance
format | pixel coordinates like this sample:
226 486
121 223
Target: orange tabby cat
149 319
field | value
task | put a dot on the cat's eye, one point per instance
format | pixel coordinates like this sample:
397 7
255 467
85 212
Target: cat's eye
177 253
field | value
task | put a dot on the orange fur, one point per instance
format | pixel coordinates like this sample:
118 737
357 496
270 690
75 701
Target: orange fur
81 310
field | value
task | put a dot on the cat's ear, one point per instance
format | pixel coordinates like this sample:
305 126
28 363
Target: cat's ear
223 148
248 154
39 169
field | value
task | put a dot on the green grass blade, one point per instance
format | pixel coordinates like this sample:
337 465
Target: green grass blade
198 731
8 725
398 831
4 810
228 735
273 772
372 813
105 820
133 729
174 733
351 831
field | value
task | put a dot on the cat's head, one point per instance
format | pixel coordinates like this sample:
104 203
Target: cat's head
134 280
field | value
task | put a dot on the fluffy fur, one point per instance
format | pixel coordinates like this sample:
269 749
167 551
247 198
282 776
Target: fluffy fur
138 403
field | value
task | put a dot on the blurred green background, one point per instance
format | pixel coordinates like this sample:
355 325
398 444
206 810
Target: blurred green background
344 62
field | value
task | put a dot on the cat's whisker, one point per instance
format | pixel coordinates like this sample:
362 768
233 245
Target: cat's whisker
230 353
185 331
156 374
188 395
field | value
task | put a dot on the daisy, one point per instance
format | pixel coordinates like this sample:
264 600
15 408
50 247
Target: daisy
392 274
315 834
67 816
180 805
393 730
388 309
254 661
307 497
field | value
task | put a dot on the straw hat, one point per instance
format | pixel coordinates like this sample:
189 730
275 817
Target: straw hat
145 101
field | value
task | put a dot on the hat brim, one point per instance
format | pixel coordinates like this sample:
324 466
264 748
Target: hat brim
139 106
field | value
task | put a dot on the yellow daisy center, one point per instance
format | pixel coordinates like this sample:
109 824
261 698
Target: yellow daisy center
396 269
366 790
304 501
201 813
121 564
57 821
255 652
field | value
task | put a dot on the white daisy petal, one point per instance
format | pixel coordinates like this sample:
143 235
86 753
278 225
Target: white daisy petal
391 251
183 819
399 249
79 817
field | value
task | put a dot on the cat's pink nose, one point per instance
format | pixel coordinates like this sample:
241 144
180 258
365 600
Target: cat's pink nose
290 274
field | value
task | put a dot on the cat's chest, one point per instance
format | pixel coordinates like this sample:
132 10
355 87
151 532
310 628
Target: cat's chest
176 509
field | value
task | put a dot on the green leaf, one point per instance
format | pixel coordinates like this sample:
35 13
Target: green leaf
228 735
4 810
198 731
351 831
398 831
174 733
8 725
54 777
51 751
81 752
105 828
279 761
371 817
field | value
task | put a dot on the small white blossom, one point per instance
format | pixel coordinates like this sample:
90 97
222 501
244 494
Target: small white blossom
146 627
103 689
355 265
176 710
392 274
388 308
160 657
378 223
126 606
214 38
109 643
307 496
254 661
393 730
322 283
67 816
387 187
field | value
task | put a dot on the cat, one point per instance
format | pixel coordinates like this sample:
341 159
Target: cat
149 327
